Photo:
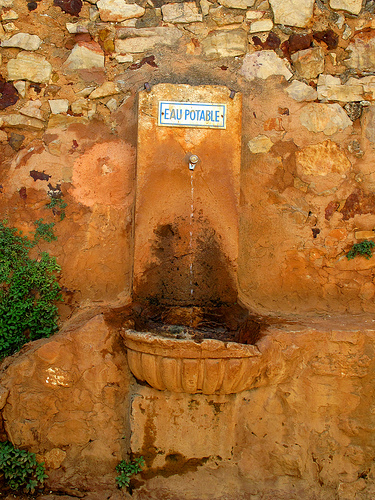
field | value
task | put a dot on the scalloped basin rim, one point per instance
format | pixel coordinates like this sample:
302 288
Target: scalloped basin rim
152 343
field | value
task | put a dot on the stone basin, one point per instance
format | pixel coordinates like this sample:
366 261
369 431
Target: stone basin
180 365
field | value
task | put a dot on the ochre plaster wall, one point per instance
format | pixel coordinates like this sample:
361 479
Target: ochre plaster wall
68 122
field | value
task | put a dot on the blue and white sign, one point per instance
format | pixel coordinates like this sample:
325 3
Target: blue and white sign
191 114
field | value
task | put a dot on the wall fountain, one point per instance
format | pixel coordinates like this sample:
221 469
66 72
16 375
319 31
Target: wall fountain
186 244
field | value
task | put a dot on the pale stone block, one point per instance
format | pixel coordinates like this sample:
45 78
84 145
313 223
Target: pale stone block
118 10
21 87
309 63
9 27
292 12
352 6
80 27
362 52
28 66
228 43
263 64
32 109
251 15
330 88
9 15
205 6
300 91
21 121
112 104
237 4
58 106
23 41
124 58
140 40
85 57
137 45
108 88
186 12
261 25
326 118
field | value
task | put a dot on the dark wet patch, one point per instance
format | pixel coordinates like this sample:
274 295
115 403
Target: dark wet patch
227 323
184 275
175 463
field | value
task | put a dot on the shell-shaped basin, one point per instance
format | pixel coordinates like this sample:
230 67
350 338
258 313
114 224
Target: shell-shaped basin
179 365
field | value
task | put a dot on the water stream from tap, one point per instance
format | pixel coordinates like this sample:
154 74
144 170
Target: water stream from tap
191 252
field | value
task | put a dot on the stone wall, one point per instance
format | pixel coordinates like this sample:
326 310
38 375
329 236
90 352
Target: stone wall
70 77
304 430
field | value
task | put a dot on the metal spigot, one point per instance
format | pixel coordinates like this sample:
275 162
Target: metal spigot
193 160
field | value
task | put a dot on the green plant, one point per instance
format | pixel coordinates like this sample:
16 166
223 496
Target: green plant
28 288
44 231
363 248
58 206
20 468
127 469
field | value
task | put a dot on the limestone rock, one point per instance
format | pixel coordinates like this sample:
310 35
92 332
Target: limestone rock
6 3
9 15
260 144
369 123
352 6
137 45
85 56
292 12
261 25
223 17
237 4
124 58
28 66
80 27
300 92
108 88
112 104
362 51
251 15
23 41
205 6
21 87
9 27
21 121
309 63
32 109
118 10
331 88
326 118
186 12
136 40
263 64
323 166
58 106
228 43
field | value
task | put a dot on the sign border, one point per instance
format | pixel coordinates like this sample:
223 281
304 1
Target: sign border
223 127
